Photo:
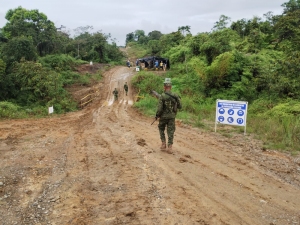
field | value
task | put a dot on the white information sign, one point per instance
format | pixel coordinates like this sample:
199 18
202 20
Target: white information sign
50 110
231 113
137 68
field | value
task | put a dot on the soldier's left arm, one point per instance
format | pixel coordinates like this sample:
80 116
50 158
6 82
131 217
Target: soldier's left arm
159 107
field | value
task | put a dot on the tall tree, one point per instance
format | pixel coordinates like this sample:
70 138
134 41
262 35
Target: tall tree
241 27
82 36
154 35
153 45
290 6
4 83
31 23
222 23
18 48
218 42
168 41
99 43
184 29
288 29
129 38
138 34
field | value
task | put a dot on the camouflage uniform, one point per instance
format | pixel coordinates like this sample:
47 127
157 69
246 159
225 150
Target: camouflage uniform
126 87
166 114
115 92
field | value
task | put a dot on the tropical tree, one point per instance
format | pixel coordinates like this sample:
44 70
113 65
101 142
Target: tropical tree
222 23
34 83
63 43
154 35
218 43
241 27
98 42
288 30
184 29
3 80
113 53
153 46
290 6
168 41
129 38
33 24
17 48
138 34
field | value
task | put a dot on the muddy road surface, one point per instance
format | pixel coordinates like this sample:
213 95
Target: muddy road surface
103 165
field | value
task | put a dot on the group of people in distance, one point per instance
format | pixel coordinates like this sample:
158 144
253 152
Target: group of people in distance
157 64
160 65
166 111
116 93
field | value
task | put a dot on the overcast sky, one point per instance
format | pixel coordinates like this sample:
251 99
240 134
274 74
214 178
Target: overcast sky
120 17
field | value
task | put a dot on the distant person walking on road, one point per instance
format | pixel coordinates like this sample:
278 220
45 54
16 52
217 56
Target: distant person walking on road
128 63
166 112
115 93
126 88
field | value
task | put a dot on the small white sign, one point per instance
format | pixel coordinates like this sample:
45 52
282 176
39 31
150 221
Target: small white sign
231 113
50 110
137 69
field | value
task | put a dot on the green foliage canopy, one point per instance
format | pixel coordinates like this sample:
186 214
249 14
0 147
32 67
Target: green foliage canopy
32 24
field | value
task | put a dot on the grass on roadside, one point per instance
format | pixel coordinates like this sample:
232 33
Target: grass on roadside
278 130
277 133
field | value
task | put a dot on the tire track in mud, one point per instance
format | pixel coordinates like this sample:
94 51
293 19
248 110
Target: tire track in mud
216 161
116 208
147 197
258 204
103 165
124 163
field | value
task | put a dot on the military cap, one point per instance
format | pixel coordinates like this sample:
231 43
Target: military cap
167 82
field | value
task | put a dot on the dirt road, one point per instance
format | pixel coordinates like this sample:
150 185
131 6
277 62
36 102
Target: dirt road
102 165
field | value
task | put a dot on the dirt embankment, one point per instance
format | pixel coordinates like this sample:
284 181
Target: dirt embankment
102 165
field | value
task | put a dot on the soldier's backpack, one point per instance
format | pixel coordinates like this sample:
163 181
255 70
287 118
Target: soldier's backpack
171 104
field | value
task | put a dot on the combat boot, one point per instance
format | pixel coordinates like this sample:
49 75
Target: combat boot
169 149
163 146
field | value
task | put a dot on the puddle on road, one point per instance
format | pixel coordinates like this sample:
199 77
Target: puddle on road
110 102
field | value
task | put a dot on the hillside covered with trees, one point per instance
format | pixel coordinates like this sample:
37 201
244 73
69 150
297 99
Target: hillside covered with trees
255 60
38 60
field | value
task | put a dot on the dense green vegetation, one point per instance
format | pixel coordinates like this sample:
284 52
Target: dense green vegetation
38 60
255 60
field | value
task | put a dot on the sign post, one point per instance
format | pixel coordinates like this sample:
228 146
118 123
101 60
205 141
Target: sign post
231 113
50 110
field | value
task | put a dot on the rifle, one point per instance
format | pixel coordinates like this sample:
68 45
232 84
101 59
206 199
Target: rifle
154 120
155 94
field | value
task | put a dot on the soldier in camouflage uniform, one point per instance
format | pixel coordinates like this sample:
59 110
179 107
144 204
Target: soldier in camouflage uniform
115 93
166 112
126 87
